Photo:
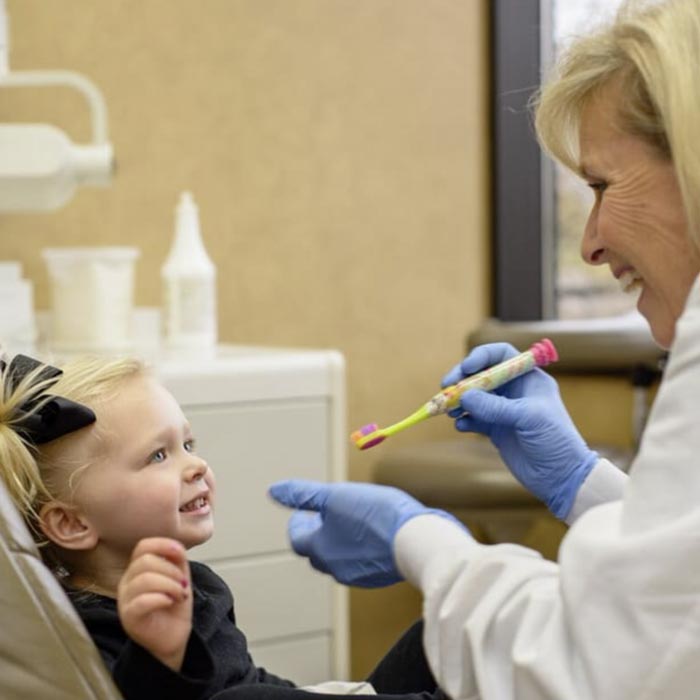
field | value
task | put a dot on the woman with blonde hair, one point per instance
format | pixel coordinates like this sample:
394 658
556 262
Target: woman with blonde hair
618 617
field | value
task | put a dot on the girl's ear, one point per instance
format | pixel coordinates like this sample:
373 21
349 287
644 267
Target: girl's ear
66 527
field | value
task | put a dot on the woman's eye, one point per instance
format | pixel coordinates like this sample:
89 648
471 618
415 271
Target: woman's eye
158 456
598 187
190 445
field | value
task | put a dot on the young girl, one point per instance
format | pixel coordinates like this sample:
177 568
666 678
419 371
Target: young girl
103 465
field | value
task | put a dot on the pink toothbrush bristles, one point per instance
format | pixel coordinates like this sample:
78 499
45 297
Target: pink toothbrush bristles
372 443
359 436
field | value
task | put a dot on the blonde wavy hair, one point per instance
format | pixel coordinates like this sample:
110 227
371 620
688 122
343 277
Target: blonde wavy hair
653 50
29 470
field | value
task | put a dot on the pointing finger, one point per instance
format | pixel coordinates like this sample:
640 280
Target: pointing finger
298 493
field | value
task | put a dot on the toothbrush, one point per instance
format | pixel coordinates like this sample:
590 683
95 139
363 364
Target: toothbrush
539 355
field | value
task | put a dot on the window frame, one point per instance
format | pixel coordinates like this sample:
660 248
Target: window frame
523 196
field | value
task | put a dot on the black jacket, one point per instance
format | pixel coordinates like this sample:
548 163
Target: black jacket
216 658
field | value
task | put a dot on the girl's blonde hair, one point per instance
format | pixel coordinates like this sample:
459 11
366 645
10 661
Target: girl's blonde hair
28 470
652 50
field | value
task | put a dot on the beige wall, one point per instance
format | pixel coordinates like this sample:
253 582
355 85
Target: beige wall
338 152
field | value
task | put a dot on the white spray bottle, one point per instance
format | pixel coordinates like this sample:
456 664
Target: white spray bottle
189 284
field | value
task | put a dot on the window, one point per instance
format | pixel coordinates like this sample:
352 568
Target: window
540 208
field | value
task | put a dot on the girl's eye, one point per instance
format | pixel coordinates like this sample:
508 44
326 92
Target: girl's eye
158 456
190 445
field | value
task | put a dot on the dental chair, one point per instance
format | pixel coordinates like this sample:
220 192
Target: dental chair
45 652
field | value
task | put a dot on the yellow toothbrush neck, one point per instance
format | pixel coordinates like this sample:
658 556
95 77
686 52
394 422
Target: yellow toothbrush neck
421 414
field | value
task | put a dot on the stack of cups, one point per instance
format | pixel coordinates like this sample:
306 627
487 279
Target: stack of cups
92 297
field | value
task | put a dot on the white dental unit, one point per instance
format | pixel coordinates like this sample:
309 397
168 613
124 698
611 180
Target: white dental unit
261 415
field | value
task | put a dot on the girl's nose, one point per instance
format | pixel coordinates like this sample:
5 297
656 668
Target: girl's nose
592 249
196 469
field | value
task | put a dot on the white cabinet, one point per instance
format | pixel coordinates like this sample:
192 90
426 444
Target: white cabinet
260 415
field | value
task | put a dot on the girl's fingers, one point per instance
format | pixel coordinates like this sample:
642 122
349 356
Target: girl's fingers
158 555
146 604
150 582
164 547
156 564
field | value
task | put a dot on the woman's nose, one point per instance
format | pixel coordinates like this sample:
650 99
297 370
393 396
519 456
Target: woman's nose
592 249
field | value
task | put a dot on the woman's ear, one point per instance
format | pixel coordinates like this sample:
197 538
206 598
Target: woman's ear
66 527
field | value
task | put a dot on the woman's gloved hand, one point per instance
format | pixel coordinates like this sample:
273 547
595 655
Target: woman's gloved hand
350 530
528 423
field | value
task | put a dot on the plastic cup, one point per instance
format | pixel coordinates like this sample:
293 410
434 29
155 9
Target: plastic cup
92 294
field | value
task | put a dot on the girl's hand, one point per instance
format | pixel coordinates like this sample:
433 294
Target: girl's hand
155 601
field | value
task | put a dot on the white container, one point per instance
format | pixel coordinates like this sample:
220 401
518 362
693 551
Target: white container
17 323
189 284
92 295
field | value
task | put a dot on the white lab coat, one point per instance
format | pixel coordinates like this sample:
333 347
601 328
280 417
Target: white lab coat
618 618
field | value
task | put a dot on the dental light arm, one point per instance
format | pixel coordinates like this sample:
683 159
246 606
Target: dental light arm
4 40
65 78
40 167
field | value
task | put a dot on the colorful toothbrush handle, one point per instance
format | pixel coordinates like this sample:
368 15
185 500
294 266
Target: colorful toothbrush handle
539 355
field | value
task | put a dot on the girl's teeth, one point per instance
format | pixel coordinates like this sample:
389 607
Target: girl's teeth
195 505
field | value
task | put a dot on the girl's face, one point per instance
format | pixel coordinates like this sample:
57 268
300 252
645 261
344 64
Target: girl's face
145 478
637 225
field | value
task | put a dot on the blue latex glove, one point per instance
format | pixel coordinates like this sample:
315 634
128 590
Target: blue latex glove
350 533
528 423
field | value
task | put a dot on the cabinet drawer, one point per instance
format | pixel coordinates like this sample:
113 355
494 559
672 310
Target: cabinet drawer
249 446
305 661
278 597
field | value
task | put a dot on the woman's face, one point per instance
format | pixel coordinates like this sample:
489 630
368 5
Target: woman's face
637 225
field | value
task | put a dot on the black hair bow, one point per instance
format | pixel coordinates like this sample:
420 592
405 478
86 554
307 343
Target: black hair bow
55 415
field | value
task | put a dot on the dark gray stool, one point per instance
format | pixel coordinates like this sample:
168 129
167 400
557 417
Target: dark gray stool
466 477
